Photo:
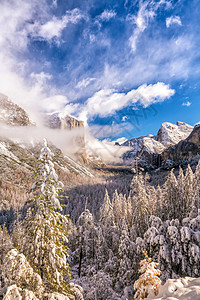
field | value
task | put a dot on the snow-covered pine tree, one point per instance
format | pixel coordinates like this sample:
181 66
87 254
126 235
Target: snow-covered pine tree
197 186
140 204
170 198
86 235
45 235
126 257
102 251
106 216
148 282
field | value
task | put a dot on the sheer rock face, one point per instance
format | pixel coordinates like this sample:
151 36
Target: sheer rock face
57 121
11 114
65 122
149 149
146 149
170 134
185 149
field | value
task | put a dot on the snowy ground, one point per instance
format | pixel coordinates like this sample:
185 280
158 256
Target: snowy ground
183 289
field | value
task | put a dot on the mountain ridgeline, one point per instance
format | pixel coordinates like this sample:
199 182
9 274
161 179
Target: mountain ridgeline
173 145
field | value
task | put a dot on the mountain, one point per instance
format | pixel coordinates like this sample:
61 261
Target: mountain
148 149
171 134
21 156
12 114
184 150
145 148
66 122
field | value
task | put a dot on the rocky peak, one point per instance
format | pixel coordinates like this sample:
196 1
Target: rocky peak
59 121
12 114
185 149
170 134
66 122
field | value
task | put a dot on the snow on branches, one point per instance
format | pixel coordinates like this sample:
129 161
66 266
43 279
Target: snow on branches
148 282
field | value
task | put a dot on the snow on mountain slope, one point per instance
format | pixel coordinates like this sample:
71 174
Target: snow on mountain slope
14 157
148 148
179 289
12 114
145 148
170 134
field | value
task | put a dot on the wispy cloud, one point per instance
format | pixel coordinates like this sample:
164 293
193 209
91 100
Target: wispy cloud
188 103
140 20
173 20
106 15
55 26
85 82
147 12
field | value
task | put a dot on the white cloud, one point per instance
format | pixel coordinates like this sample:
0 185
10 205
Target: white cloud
107 101
54 3
147 11
141 21
124 118
188 103
154 93
54 103
173 20
55 26
85 82
106 15
105 149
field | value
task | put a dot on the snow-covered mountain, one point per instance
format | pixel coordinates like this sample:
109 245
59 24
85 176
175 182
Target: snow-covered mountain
17 155
12 114
65 122
186 149
148 149
145 148
170 134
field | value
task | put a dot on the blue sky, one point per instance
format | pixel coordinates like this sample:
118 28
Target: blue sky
124 67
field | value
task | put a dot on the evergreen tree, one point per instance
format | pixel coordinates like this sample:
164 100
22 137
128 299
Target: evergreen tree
149 282
45 235
106 216
86 231
197 186
170 198
189 192
126 256
140 204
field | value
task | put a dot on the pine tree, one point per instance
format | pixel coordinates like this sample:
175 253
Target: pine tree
189 192
106 212
45 235
102 251
197 186
126 256
86 236
170 198
140 204
149 281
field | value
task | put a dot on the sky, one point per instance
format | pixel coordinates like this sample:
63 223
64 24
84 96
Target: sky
123 67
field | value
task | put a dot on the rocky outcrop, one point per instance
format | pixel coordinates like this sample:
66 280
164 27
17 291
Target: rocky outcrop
148 149
185 149
60 121
170 134
65 122
12 114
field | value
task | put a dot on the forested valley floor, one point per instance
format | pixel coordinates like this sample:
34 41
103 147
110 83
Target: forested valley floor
113 218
